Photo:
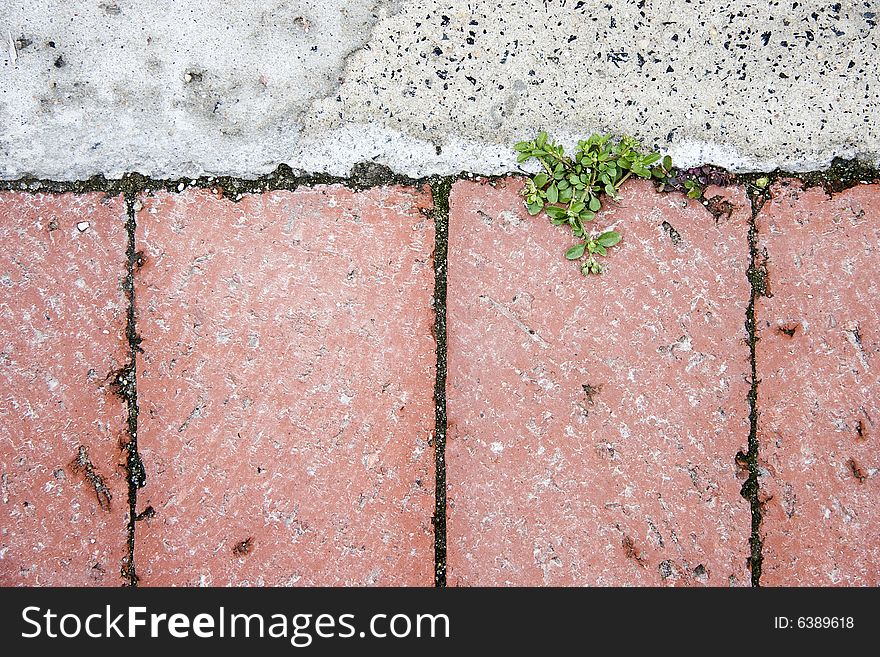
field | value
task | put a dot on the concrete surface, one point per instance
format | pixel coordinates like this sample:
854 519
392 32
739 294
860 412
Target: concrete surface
286 388
818 355
426 87
593 424
63 490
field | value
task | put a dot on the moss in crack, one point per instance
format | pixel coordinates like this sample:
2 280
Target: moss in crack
364 175
125 384
757 275
440 190
840 176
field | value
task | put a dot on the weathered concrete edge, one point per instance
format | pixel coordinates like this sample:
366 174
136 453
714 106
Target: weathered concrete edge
840 174
336 153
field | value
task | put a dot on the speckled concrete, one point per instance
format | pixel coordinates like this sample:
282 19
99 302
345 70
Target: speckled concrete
63 493
286 388
818 357
594 424
435 86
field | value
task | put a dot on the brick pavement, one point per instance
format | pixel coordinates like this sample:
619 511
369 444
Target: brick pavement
286 390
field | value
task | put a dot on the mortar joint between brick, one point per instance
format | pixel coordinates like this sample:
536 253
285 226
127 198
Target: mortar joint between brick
440 190
135 473
751 487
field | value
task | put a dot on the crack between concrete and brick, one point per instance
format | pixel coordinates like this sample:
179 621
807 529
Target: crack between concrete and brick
440 189
842 175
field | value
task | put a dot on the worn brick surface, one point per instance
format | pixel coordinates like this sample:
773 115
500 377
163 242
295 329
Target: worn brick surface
818 357
286 388
594 423
63 511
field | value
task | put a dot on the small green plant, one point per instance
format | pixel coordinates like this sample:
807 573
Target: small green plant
693 187
570 189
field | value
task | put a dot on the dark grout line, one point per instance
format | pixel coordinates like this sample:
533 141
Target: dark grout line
440 189
363 176
839 176
757 275
127 379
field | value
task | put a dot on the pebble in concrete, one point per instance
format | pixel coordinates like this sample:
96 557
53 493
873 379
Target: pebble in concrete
818 356
594 423
286 388
63 491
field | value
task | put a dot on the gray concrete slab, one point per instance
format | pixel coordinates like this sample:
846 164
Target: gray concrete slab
429 86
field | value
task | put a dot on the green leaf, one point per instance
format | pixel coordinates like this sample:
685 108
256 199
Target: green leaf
588 216
535 208
540 180
609 189
600 250
562 184
542 139
523 146
650 159
522 157
575 252
695 193
608 238
553 193
595 204
565 195
555 212
667 163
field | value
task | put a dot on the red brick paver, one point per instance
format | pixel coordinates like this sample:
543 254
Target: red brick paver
594 423
63 494
286 388
818 357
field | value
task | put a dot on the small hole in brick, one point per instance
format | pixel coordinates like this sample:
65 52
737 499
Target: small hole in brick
789 328
591 391
857 470
243 548
146 514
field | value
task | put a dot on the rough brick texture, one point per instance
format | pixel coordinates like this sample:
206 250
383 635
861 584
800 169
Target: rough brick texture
594 423
818 357
63 494
286 388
